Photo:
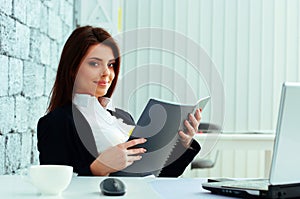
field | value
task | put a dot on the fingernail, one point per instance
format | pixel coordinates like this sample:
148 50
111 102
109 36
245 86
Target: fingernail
145 140
145 150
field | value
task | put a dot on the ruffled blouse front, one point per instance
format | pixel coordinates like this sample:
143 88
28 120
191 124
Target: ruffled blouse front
108 131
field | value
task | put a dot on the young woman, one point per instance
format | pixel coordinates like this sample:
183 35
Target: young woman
79 129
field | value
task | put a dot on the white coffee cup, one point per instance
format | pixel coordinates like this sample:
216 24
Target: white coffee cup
50 179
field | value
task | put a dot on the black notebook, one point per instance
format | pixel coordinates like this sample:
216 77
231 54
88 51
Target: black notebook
159 123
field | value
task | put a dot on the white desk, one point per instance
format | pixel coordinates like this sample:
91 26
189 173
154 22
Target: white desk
13 187
235 141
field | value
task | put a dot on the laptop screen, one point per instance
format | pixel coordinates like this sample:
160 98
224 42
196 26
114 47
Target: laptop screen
286 163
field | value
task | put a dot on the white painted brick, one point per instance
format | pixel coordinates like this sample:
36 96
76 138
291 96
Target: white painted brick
35 40
15 76
50 78
55 26
45 16
54 55
33 80
13 152
67 30
68 17
34 18
26 147
3 75
35 152
61 11
28 33
19 10
21 115
66 12
55 6
71 1
37 108
45 49
22 40
7 35
7 109
6 6
2 154
48 3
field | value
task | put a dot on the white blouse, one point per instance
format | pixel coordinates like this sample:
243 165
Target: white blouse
108 131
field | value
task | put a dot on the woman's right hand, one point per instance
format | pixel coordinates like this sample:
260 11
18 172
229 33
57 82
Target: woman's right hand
117 157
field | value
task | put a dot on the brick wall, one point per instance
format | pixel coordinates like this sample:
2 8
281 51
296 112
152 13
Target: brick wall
32 33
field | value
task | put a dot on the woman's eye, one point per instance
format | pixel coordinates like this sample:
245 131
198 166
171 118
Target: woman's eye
111 65
93 64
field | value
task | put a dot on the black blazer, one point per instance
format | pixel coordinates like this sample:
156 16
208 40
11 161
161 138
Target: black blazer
66 138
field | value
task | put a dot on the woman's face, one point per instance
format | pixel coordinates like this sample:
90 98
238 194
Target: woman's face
96 71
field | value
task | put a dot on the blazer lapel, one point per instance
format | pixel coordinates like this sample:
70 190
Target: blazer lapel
84 131
120 114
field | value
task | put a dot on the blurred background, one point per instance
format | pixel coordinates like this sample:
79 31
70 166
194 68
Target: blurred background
254 45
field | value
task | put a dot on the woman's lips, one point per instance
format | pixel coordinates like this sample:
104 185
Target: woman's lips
102 83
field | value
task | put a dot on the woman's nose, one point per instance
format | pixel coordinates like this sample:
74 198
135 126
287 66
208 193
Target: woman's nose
105 71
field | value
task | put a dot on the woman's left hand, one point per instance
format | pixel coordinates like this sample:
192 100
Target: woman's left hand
192 128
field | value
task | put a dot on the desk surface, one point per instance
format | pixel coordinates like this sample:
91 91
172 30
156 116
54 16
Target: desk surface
88 187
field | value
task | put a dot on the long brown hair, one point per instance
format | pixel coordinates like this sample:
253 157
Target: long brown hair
73 53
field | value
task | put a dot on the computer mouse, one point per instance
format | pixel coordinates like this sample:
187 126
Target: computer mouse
112 187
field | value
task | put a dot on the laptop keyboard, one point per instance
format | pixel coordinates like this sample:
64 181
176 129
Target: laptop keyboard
261 184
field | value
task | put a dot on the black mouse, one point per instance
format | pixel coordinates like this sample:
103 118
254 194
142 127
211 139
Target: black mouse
112 187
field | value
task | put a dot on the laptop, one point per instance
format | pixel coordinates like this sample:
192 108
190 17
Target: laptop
284 177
